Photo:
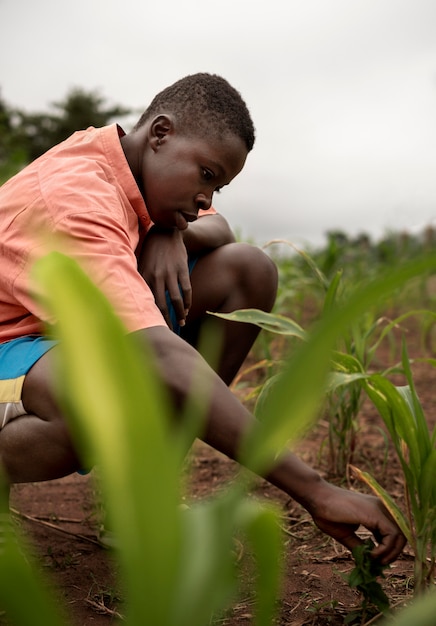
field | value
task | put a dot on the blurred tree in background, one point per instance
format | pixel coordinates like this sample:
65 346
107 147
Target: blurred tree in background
13 155
25 136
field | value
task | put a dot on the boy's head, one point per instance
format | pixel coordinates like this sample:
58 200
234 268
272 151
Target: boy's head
204 105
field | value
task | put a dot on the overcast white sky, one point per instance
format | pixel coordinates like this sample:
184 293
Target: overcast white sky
342 93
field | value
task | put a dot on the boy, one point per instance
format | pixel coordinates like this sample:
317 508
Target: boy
124 202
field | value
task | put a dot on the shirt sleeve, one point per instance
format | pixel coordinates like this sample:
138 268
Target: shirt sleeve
103 249
211 211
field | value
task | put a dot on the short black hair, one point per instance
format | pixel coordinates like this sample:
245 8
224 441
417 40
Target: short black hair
204 104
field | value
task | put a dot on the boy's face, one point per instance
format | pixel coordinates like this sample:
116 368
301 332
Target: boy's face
181 173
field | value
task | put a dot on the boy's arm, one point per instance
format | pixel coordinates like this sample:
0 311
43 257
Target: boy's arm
207 234
336 511
163 261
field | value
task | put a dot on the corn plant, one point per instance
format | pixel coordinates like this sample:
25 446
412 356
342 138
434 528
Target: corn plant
343 402
359 348
360 340
402 413
176 566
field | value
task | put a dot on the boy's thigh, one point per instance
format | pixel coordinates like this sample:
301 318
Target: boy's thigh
38 395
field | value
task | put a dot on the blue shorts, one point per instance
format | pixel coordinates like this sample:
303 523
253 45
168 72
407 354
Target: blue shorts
18 356
16 359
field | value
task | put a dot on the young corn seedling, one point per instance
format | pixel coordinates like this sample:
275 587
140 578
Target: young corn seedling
402 413
344 399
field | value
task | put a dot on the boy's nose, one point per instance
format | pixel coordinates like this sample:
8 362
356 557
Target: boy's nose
203 202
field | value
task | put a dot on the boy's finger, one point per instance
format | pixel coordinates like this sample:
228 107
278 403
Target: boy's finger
389 548
186 291
350 541
178 306
160 297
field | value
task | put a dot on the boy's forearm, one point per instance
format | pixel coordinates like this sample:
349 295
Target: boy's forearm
207 233
298 480
228 421
337 512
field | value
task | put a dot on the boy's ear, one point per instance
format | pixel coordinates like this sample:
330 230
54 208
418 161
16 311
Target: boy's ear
160 127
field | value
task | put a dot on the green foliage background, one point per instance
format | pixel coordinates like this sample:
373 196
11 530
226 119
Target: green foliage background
25 136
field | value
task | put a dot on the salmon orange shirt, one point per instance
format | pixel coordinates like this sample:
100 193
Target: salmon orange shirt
83 191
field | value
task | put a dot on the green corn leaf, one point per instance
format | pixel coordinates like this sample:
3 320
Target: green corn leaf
267 321
262 399
16 575
427 483
395 323
330 297
346 363
340 379
260 525
347 370
19 575
396 413
319 275
120 409
423 433
177 566
207 580
433 438
209 529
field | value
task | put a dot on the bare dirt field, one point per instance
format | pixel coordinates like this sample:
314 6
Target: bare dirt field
62 520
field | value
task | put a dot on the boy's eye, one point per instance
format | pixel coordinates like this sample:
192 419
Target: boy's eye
207 174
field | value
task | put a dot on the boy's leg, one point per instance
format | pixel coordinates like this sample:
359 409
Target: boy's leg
234 276
37 446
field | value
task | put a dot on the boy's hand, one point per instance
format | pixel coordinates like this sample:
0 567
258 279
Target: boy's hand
163 263
339 513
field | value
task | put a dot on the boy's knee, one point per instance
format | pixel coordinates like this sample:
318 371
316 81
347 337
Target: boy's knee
256 264
257 273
